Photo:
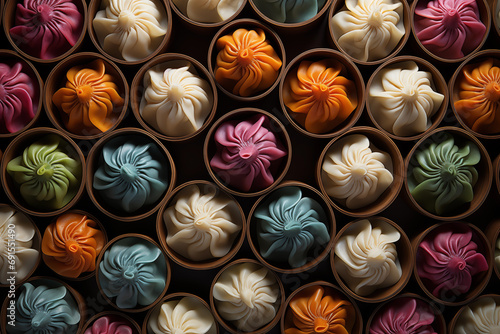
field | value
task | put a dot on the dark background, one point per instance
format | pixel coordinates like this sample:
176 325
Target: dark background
188 159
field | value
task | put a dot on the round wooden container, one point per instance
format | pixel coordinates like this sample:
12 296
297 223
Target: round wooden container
383 143
176 296
160 62
337 7
17 147
484 168
438 84
162 232
85 275
111 301
250 24
439 323
114 316
484 14
51 283
95 6
57 79
479 281
349 70
275 126
37 242
230 327
405 256
93 161
293 27
454 87
318 253
330 289
10 58
9 13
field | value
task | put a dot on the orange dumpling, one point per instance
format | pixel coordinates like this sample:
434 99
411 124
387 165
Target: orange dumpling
246 63
316 311
88 101
479 93
318 97
71 245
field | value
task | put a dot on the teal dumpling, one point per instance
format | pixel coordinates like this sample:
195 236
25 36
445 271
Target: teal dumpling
134 271
289 11
45 310
289 225
130 176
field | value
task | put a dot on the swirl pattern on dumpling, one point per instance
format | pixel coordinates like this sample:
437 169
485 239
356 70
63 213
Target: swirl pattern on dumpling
185 316
107 325
368 30
42 309
366 257
289 225
246 63
176 101
129 177
18 98
319 98
130 29
449 28
89 99
71 244
321 310
247 295
448 261
404 315
46 28
25 256
403 99
134 271
442 175
479 317
355 172
247 153
208 11
202 223
479 97
48 178
290 11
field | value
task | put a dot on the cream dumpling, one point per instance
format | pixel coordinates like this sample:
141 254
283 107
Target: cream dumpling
208 11
403 99
369 30
130 29
202 223
355 172
176 101
184 316
366 257
479 317
247 295
15 226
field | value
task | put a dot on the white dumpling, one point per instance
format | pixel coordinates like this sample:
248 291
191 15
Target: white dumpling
184 316
480 317
246 294
355 172
201 225
208 11
369 30
366 257
16 228
176 101
402 99
130 29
